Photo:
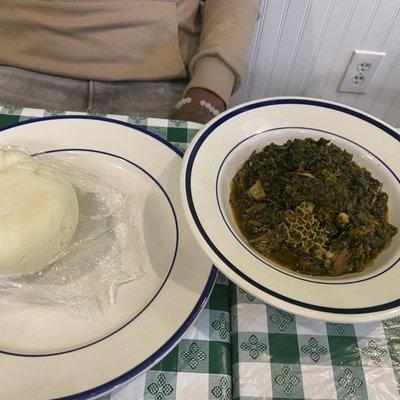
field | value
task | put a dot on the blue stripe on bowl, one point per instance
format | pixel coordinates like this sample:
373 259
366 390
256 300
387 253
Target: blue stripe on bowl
188 189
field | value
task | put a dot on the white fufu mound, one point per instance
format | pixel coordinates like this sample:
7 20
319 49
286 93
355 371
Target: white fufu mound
38 213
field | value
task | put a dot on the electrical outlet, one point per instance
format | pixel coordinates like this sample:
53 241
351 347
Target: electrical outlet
360 71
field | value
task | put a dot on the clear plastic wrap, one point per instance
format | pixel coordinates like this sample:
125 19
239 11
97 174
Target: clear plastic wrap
107 250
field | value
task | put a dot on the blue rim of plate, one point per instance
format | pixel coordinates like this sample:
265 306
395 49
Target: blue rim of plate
257 255
203 298
189 198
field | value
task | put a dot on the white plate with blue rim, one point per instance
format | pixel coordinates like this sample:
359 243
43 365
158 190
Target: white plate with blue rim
49 352
219 151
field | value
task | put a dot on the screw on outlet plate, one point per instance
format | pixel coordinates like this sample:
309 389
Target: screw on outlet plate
360 71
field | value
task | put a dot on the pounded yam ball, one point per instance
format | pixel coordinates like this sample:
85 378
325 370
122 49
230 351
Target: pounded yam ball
38 213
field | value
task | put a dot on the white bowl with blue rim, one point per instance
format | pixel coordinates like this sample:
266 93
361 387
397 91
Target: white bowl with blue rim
219 151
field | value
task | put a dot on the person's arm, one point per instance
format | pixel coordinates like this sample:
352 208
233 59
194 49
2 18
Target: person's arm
219 65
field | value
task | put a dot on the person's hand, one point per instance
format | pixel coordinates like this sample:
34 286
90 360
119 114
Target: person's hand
194 111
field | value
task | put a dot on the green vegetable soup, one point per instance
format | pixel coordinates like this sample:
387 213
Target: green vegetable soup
309 207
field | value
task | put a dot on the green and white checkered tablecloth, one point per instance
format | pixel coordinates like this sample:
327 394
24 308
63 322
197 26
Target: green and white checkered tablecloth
277 355
241 348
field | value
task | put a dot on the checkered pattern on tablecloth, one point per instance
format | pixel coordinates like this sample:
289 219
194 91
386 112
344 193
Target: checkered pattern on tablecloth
199 367
277 355
178 133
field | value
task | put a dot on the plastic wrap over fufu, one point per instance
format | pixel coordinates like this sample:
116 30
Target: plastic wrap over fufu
67 237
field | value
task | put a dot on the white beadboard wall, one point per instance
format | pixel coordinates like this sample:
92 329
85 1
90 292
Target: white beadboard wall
302 48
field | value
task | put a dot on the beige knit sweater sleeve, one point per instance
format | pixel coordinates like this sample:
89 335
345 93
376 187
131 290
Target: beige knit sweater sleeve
219 63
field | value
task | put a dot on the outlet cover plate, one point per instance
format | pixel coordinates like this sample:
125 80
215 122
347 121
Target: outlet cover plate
360 71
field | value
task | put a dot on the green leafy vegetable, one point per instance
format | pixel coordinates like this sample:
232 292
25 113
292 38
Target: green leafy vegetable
309 206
